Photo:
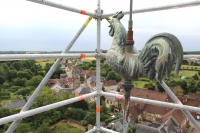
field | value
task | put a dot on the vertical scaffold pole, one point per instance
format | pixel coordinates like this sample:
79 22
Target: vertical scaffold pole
127 84
45 79
98 84
177 101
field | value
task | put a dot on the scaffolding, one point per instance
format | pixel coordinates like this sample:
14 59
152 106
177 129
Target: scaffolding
98 15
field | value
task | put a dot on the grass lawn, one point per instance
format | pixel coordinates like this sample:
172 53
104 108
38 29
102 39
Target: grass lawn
12 95
4 102
187 73
190 67
89 59
139 84
43 62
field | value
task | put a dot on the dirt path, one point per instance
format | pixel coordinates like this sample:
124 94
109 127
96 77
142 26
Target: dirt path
71 123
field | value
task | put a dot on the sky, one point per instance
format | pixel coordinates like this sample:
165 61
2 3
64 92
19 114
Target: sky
28 26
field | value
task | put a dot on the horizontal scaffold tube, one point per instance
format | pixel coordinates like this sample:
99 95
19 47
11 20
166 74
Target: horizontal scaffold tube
159 8
107 130
5 57
154 102
43 56
60 6
44 108
93 130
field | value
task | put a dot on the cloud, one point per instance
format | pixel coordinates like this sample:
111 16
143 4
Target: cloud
29 26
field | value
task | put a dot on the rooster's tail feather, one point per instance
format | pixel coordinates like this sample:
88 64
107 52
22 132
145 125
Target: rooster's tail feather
160 53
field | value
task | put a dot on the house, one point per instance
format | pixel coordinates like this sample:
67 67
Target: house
118 124
91 82
56 87
63 76
192 101
156 114
68 67
62 67
70 90
110 85
167 127
81 91
66 82
193 96
88 73
109 100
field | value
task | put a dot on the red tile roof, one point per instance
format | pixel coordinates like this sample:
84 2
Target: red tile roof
110 83
193 96
142 93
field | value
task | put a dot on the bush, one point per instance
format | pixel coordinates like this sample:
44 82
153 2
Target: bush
14 88
144 79
4 95
103 117
84 122
112 108
132 129
111 119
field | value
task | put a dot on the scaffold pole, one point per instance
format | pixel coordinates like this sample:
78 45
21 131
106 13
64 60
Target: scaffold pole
44 56
159 8
98 58
107 130
4 57
153 102
92 130
64 7
44 108
177 101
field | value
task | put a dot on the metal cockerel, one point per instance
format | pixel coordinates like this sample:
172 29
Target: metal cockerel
158 56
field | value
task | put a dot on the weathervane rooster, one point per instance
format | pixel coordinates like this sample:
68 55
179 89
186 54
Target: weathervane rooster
158 56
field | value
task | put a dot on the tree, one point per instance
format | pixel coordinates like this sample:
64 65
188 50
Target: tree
149 85
23 74
12 74
113 76
7 84
2 79
160 88
4 95
16 65
185 62
92 106
19 81
44 128
23 128
34 81
81 104
90 118
195 77
23 91
75 113
103 107
132 129
172 83
191 85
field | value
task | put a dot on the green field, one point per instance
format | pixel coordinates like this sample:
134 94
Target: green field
187 73
13 96
139 84
43 62
89 59
190 67
4 102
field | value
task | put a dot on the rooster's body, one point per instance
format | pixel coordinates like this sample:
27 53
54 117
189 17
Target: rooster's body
158 56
